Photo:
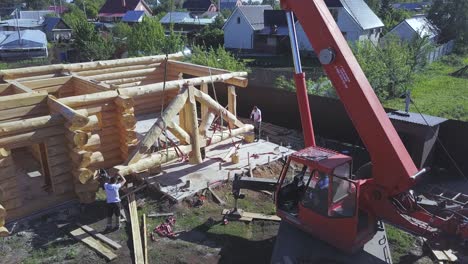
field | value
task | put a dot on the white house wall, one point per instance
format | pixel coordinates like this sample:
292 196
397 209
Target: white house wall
238 36
349 26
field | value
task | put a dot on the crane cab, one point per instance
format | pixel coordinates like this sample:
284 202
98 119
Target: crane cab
316 193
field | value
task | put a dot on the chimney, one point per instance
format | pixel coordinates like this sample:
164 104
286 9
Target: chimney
123 3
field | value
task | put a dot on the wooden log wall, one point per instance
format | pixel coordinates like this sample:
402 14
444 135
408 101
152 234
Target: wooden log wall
10 194
85 161
127 121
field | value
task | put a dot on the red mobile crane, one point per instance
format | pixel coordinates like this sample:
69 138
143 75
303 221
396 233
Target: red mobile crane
324 198
330 204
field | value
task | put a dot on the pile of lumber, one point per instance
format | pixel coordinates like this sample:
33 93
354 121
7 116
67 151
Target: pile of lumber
96 241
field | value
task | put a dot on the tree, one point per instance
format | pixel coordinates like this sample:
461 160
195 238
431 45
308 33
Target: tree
374 5
37 4
91 7
74 16
211 35
391 16
90 44
217 58
391 67
451 18
148 38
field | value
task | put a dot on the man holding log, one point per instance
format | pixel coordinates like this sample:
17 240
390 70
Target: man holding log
113 200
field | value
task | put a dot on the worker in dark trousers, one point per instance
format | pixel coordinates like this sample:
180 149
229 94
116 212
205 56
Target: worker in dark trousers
113 200
256 116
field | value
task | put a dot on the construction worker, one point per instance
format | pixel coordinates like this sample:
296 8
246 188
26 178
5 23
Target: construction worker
113 200
256 116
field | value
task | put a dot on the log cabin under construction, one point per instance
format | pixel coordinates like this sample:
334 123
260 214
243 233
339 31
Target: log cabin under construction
59 124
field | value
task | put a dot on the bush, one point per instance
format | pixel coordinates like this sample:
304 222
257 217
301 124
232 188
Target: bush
390 67
217 58
452 60
321 87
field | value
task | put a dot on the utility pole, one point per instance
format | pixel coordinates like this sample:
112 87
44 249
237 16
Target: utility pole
84 9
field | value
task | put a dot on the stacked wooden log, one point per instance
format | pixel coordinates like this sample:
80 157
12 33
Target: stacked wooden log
126 124
10 197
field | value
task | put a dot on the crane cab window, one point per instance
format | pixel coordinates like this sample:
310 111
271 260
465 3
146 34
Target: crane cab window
293 186
331 195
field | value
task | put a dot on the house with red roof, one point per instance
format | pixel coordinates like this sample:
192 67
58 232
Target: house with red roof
114 10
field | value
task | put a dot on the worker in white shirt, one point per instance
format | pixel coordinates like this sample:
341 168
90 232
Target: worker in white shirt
256 117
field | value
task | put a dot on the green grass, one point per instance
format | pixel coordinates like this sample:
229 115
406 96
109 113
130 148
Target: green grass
437 93
400 242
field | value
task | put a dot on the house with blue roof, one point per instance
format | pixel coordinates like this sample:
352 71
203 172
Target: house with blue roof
56 29
133 16
25 44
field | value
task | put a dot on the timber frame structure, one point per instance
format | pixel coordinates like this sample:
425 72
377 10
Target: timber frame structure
72 119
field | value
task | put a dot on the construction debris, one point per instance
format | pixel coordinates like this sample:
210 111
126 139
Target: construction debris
165 229
160 214
248 216
100 236
84 237
216 197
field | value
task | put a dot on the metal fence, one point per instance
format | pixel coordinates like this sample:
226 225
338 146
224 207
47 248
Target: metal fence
331 120
440 51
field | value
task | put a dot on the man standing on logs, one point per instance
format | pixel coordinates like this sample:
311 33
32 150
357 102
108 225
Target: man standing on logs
113 200
256 117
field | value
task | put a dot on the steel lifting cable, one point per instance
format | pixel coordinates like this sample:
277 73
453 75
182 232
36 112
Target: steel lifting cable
164 86
440 142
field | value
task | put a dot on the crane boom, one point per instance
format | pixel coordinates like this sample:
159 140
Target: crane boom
392 165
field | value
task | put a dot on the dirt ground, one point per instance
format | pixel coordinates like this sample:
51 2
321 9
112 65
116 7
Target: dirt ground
202 237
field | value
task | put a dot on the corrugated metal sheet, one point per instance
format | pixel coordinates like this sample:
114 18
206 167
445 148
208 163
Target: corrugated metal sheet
174 17
37 14
422 26
254 14
362 14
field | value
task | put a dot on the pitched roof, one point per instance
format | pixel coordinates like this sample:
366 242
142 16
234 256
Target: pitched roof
254 14
133 16
51 22
37 14
197 5
361 13
230 4
22 23
29 39
185 18
422 26
174 17
116 7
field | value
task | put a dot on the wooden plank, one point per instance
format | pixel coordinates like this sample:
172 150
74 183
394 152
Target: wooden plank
20 100
217 198
82 236
145 240
20 88
100 236
160 214
136 236
249 215
38 84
